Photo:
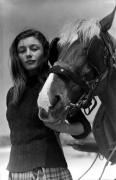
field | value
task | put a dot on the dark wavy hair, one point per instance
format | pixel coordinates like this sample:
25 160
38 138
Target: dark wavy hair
18 73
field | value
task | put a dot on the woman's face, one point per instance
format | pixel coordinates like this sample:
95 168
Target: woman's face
30 52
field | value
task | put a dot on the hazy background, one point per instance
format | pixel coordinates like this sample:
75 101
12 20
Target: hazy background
46 15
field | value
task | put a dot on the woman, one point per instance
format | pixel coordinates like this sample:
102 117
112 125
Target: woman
35 150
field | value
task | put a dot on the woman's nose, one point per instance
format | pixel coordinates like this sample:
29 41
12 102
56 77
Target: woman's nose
28 53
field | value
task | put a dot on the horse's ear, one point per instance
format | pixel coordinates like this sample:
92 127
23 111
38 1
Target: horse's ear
106 22
53 51
113 41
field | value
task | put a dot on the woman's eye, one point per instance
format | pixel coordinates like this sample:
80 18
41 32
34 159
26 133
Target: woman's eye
34 47
21 49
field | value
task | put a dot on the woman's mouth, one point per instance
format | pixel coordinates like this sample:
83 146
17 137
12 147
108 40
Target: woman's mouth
30 62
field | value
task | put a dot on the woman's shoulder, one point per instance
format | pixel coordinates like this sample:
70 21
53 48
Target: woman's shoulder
10 91
9 95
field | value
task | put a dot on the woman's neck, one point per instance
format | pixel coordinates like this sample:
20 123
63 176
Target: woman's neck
33 72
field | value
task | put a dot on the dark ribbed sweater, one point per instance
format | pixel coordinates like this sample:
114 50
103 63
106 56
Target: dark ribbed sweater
32 143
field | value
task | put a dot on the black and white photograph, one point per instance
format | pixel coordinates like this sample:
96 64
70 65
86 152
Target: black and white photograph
58 90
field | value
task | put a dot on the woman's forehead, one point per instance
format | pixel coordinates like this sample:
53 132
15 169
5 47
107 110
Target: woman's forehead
29 40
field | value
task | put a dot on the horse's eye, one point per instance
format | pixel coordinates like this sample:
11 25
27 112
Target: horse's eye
85 50
88 76
64 78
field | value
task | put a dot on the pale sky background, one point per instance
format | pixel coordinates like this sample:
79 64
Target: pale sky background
47 16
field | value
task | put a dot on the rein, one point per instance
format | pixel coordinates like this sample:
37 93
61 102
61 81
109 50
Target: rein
89 87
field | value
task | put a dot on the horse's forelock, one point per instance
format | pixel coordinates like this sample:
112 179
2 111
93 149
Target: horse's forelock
81 29
68 34
88 29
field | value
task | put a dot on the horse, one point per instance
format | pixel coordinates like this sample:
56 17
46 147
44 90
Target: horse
84 66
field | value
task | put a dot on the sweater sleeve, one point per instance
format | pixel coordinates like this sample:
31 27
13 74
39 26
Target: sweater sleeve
80 117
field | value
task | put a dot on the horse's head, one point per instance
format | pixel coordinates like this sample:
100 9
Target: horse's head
83 52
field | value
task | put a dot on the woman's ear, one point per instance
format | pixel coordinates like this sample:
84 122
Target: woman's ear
53 51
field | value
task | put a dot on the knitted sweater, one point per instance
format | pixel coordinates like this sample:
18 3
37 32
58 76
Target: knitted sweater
32 143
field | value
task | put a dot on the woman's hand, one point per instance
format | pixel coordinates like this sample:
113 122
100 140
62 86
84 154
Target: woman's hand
65 127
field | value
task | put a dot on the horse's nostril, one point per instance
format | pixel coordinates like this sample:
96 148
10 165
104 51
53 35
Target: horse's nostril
43 114
55 101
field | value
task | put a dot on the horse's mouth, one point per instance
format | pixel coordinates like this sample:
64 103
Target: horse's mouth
52 108
53 115
57 113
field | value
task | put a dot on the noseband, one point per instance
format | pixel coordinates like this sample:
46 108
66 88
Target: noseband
87 101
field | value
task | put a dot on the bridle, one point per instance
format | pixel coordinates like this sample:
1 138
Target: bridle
87 101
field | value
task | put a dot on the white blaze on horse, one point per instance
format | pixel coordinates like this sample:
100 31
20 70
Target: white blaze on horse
84 68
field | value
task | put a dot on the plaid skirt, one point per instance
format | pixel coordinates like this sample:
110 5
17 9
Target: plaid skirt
42 174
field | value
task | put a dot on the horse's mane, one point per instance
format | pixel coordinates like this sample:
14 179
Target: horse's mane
82 29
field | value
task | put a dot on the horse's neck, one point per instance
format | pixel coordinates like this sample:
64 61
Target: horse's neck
108 94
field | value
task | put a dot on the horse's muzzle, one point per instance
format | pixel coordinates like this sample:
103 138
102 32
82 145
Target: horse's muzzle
43 114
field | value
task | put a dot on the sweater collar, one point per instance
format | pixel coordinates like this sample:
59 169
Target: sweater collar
32 77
